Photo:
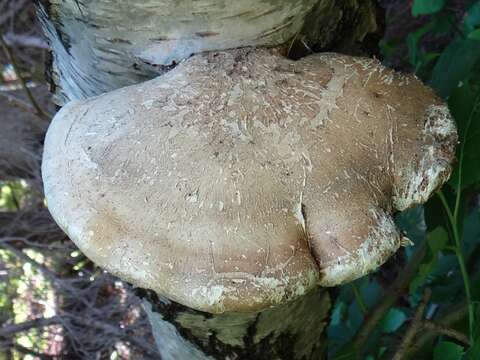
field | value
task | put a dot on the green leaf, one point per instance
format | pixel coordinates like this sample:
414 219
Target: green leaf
472 17
348 353
473 352
422 60
393 320
471 235
454 65
424 7
437 240
412 223
340 331
337 314
447 351
463 104
474 35
434 211
413 40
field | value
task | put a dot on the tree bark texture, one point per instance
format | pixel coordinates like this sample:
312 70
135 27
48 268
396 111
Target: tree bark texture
291 331
101 45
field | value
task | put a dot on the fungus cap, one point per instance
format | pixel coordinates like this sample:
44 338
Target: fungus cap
241 179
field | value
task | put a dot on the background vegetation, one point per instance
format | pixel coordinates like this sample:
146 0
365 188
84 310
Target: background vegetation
423 304
54 303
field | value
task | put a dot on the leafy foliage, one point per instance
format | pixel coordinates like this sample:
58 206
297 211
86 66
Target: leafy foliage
447 351
422 7
444 51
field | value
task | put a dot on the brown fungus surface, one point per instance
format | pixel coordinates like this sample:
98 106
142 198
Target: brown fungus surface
241 179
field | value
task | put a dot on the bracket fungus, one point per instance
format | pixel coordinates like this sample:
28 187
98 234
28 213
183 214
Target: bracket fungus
240 179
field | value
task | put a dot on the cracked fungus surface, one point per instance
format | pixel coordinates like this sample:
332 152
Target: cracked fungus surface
240 180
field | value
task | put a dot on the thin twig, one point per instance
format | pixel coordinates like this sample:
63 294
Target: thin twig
450 317
49 274
359 299
27 351
13 329
414 327
17 5
8 331
24 106
26 40
138 342
460 258
19 254
447 331
397 289
38 110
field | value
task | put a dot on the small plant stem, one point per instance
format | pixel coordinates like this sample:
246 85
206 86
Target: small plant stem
359 299
393 293
461 261
450 316
460 160
447 331
414 327
459 186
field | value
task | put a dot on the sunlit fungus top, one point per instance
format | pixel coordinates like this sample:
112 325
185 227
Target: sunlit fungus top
241 179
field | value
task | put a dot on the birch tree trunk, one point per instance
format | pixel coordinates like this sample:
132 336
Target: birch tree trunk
101 45
290 331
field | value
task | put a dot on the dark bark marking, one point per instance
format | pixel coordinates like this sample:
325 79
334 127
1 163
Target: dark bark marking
272 346
204 34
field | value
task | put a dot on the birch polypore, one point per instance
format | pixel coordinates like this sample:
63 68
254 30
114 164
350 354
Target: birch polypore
241 180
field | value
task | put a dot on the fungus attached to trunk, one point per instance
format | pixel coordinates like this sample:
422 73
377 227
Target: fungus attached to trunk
241 180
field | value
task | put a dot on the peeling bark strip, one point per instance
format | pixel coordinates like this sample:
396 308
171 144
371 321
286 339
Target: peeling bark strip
101 45
290 331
